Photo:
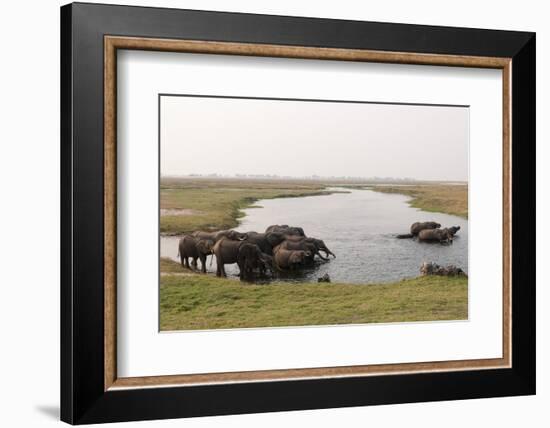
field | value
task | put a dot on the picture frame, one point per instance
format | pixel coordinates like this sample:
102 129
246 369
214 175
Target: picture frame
91 391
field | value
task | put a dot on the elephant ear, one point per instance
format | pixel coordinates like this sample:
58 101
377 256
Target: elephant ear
201 245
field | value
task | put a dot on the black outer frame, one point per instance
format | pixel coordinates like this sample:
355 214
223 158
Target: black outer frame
83 399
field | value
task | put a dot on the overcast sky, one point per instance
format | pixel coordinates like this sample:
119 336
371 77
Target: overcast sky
298 138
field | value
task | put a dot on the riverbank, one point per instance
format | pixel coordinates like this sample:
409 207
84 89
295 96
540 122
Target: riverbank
202 204
443 198
189 204
191 301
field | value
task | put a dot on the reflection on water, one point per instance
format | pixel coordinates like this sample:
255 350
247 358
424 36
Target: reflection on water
359 227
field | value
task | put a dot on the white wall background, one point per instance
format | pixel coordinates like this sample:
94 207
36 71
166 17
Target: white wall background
29 214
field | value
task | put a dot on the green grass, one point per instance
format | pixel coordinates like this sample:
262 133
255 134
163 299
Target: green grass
448 199
190 301
218 204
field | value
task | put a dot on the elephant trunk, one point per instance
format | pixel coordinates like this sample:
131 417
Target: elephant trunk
329 253
322 258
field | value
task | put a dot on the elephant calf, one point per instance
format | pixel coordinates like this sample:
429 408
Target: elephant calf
194 248
438 235
290 259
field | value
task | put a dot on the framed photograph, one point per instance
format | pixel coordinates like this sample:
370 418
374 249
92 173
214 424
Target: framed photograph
265 213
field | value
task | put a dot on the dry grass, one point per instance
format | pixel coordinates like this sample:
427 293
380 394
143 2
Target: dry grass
443 198
218 204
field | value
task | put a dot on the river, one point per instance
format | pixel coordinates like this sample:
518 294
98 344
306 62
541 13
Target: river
360 228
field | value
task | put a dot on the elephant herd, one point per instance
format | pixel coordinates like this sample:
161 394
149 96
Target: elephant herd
280 247
430 231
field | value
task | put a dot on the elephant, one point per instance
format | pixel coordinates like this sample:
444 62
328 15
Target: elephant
286 229
417 227
227 251
195 248
312 245
249 259
439 235
319 245
266 241
290 259
216 236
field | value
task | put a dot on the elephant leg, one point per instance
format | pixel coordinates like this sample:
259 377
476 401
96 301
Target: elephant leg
203 262
218 267
194 263
187 263
241 269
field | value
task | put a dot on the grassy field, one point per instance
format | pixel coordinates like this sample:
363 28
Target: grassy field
443 198
204 204
191 301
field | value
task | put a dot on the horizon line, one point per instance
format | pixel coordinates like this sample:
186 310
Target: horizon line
307 177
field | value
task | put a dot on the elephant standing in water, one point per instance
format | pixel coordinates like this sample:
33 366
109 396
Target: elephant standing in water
249 259
290 259
246 254
436 235
194 248
312 245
